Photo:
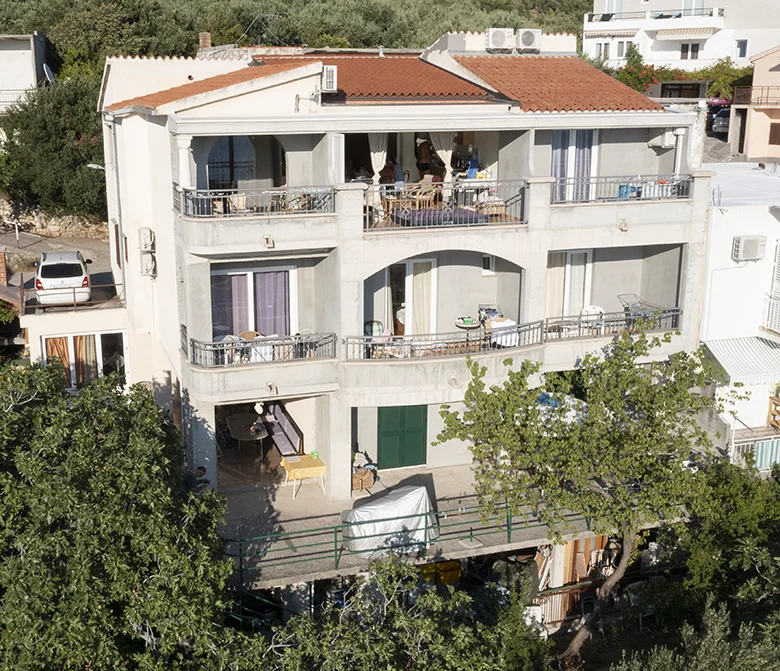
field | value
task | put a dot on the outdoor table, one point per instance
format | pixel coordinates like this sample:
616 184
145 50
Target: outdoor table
303 466
239 426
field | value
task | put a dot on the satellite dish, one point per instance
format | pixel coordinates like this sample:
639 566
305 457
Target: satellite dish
49 74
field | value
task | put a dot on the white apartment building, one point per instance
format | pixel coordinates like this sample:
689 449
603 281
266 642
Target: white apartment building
21 65
741 314
686 34
257 259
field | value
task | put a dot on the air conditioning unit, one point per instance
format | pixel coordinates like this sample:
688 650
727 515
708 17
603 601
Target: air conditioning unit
148 265
146 239
528 39
748 248
664 140
500 39
330 80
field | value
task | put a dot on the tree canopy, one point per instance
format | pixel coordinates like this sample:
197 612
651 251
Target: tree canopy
618 455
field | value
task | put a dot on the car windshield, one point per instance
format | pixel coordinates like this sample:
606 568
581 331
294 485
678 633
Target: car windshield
58 271
723 114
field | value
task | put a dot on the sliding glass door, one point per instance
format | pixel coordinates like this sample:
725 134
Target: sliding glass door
577 285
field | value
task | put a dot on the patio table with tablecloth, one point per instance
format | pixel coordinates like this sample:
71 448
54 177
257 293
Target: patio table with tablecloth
302 466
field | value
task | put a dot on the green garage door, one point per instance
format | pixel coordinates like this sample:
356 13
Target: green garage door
402 436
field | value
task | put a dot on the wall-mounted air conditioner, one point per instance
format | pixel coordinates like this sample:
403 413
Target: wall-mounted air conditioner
528 39
146 239
330 80
500 39
148 264
748 248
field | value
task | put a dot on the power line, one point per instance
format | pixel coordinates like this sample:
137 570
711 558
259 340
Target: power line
263 16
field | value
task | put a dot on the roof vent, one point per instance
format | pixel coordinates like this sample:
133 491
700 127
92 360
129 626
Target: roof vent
330 81
500 39
528 39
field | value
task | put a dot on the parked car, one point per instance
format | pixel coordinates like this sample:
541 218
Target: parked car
720 124
62 278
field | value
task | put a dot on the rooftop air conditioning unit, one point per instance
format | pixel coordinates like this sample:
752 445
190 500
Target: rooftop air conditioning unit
330 80
500 39
528 39
748 248
146 239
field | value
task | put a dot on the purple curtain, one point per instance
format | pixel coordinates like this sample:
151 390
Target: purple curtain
229 305
272 303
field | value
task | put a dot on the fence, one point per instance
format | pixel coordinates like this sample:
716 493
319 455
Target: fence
676 13
9 96
475 202
521 335
236 350
71 298
757 95
213 203
609 189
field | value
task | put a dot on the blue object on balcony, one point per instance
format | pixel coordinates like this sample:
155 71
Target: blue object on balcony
625 191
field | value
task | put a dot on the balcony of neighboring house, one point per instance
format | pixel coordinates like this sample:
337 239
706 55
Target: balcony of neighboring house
264 317
10 96
256 192
757 96
691 14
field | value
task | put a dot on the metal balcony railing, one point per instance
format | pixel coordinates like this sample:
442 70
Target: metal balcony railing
757 95
474 202
9 96
761 452
521 335
772 315
67 299
234 351
219 203
676 13
619 189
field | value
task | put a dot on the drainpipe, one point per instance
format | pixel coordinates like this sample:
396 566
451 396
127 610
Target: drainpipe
679 134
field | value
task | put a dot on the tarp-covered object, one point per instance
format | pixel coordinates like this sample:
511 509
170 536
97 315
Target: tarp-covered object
396 522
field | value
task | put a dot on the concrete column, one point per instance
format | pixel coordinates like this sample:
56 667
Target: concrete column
184 147
679 134
349 206
339 461
537 202
202 446
197 283
533 302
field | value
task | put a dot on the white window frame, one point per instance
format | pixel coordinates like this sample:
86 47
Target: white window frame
567 278
249 271
98 351
491 269
621 49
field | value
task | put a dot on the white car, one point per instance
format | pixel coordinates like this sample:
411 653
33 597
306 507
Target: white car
62 279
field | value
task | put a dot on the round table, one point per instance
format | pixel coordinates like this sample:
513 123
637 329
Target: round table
463 326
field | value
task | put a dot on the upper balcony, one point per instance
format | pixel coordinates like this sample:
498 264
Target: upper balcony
757 96
700 17
10 96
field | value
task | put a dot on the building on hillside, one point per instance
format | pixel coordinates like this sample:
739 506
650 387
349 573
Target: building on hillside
21 65
741 314
274 269
754 128
691 35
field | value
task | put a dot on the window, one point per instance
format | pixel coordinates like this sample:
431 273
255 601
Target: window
488 264
127 253
680 90
742 48
606 51
599 49
684 51
88 357
694 52
573 164
621 46
117 248
774 133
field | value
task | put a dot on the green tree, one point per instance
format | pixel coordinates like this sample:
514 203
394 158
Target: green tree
50 137
621 463
106 561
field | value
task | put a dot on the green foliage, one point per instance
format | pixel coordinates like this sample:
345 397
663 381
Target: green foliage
8 312
710 648
50 137
106 561
382 627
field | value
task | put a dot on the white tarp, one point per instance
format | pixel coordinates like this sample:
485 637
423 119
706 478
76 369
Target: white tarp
395 522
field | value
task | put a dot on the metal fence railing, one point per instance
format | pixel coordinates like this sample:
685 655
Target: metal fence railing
756 95
521 335
234 350
329 544
763 452
609 189
9 96
677 13
289 200
474 202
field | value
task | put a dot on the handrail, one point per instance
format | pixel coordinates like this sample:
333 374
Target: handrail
620 188
101 295
676 13
228 353
270 202
756 95
513 337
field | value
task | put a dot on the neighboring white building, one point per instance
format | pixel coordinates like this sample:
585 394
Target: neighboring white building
21 65
741 315
232 213
687 34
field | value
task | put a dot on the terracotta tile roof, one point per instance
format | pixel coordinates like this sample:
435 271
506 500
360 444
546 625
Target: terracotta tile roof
391 76
155 100
556 84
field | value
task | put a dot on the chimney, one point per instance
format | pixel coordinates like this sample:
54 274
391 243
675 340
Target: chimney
205 40
3 271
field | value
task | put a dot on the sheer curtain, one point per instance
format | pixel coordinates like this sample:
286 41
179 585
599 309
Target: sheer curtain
442 143
272 303
421 297
229 305
377 142
86 358
559 166
582 161
58 348
556 275
578 268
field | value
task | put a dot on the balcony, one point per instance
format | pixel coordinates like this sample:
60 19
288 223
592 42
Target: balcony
487 340
620 189
656 14
465 203
219 203
71 299
234 351
9 96
757 95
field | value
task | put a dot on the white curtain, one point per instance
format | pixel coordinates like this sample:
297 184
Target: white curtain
377 142
442 143
556 273
421 297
